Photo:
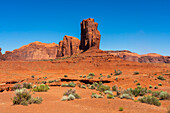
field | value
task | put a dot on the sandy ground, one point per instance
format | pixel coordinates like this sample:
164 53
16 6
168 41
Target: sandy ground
53 104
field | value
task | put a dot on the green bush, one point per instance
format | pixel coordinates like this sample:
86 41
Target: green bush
155 93
41 88
114 88
51 81
23 97
108 92
126 96
83 86
150 100
138 84
91 87
81 76
65 76
91 74
84 76
89 77
103 88
33 76
44 82
70 95
118 72
160 84
17 86
27 85
110 96
156 87
121 109
108 76
94 95
72 84
136 73
164 95
161 78
150 86
116 78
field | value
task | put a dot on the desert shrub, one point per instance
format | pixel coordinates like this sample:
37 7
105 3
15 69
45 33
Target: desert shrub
138 84
70 95
81 76
89 77
83 86
110 96
64 98
51 81
64 85
150 100
94 95
136 73
33 76
121 109
103 88
41 88
44 82
72 84
161 78
150 86
27 85
114 88
65 76
139 91
91 74
135 81
91 87
160 84
116 78
118 72
149 91
108 76
126 96
17 86
23 97
84 76
155 93
108 92
156 87
44 78
164 95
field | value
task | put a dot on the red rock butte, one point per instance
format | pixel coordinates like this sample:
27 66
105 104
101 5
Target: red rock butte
69 46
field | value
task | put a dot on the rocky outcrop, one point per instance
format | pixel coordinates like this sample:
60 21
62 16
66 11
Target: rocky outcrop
1 58
33 51
147 58
69 46
90 36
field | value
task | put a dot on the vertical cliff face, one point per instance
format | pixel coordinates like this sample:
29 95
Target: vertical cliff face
90 36
1 57
69 46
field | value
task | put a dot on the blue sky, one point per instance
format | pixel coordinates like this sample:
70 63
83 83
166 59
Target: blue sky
141 26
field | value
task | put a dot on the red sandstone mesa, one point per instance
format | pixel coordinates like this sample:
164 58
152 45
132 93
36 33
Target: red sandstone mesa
1 58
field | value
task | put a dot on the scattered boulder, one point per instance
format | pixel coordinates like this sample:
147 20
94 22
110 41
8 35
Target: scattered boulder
90 36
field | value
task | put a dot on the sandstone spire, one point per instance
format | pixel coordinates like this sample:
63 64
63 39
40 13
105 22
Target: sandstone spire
90 36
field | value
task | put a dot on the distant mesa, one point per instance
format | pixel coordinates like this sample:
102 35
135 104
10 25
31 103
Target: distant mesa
90 39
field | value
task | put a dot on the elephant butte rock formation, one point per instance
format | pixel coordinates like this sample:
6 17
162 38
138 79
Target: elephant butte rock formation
90 38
